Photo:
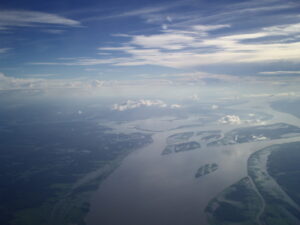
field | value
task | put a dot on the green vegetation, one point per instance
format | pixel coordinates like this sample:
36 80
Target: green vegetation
284 166
212 136
179 137
49 173
274 170
187 146
237 204
206 169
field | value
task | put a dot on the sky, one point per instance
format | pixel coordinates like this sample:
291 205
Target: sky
97 43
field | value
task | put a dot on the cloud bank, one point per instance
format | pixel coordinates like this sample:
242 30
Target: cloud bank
10 83
195 46
131 104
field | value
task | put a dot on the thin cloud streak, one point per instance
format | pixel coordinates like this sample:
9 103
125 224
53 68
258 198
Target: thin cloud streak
280 72
141 12
23 18
4 50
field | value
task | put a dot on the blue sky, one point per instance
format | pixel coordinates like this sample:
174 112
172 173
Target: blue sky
148 40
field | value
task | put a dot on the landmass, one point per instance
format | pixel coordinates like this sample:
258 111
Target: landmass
237 204
186 146
268 196
257 133
179 137
210 135
188 126
206 169
275 172
48 175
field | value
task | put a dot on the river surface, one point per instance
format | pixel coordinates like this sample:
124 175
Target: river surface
153 189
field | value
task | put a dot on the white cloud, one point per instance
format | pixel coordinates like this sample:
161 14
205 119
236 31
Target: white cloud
131 104
230 119
97 83
278 94
53 31
83 62
170 41
143 11
8 83
140 12
195 46
253 10
286 29
236 120
4 50
195 97
210 27
279 72
214 107
265 8
23 18
164 26
175 106
169 19
202 78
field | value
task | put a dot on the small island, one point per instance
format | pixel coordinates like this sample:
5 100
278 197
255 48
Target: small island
206 169
186 146
179 137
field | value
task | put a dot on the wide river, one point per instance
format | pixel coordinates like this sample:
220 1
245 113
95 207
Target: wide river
153 189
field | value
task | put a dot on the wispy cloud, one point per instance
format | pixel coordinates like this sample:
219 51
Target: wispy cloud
260 6
4 50
8 83
195 46
132 104
140 12
280 72
247 32
23 18
53 31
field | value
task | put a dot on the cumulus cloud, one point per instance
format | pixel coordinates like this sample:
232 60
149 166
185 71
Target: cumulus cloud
11 83
251 119
230 119
131 104
214 107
